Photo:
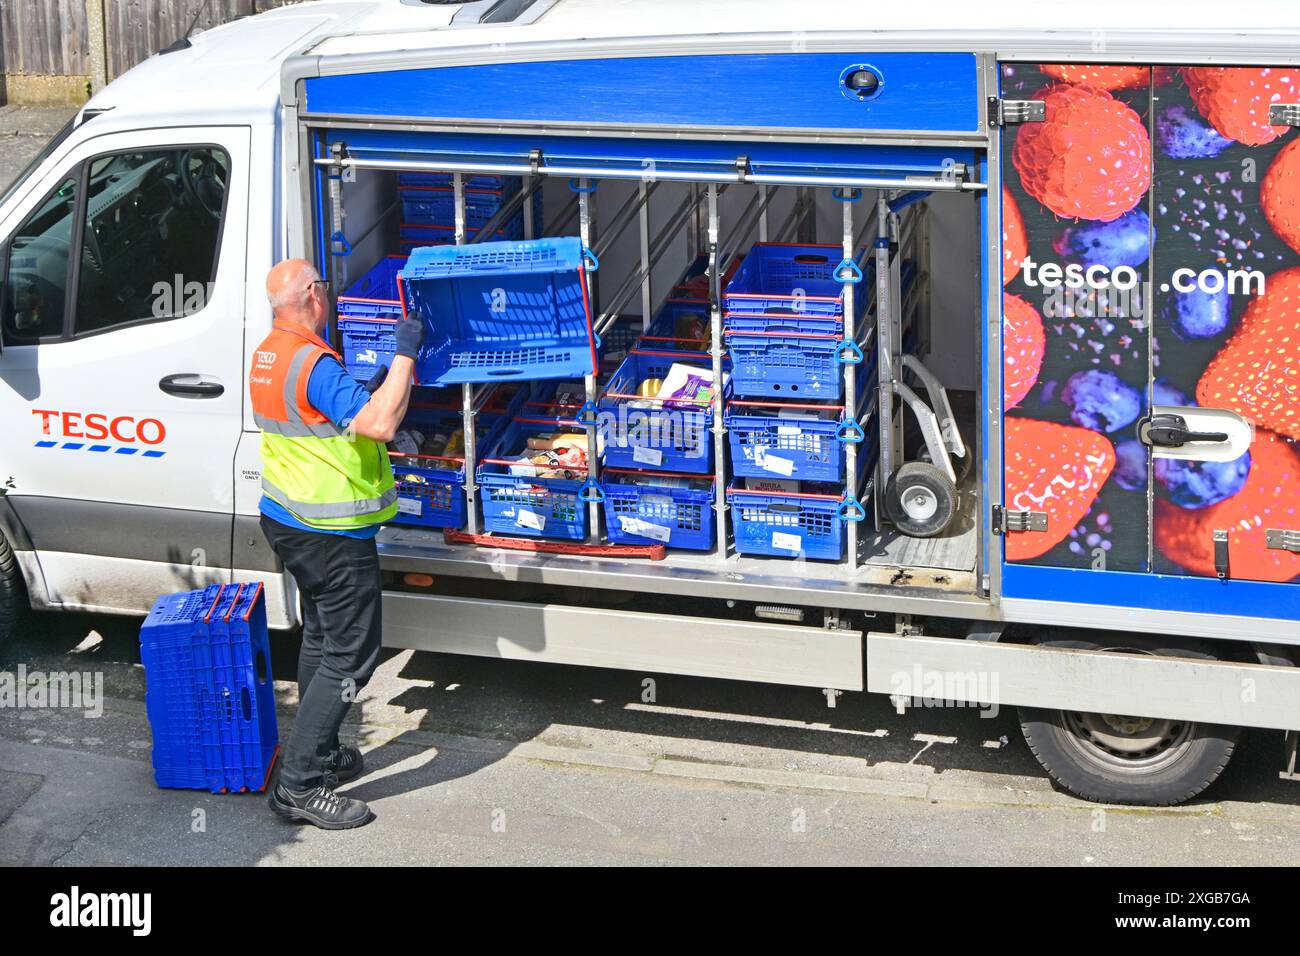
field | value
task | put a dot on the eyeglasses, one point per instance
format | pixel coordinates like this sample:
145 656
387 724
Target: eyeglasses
322 282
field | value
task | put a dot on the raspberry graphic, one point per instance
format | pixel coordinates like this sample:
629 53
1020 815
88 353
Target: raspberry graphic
1023 344
1058 469
1268 500
1257 372
1091 159
1014 244
1099 77
1235 99
1280 195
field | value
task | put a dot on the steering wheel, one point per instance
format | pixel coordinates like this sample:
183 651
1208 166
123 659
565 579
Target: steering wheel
205 183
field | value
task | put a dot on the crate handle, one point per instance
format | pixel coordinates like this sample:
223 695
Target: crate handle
849 268
809 258
590 260
847 195
851 510
573 186
591 493
587 413
344 245
855 354
850 432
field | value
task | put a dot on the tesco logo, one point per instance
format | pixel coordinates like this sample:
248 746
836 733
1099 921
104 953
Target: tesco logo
96 426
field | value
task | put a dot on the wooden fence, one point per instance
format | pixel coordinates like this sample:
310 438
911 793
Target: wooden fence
51 38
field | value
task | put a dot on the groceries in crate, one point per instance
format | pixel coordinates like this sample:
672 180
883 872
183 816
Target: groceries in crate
553 455
436 449
684 386
659 508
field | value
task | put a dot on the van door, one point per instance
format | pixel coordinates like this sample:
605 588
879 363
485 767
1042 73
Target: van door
122 322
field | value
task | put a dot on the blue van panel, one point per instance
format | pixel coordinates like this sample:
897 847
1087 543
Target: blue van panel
1157 592
919 91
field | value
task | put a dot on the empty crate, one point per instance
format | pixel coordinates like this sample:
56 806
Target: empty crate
657 508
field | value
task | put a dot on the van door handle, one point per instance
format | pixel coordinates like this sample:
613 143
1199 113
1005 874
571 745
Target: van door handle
191 385
1171 431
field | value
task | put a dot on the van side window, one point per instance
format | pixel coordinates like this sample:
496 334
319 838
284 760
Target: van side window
36 282
152 234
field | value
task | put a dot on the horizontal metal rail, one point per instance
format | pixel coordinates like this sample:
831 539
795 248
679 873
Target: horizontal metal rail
947 184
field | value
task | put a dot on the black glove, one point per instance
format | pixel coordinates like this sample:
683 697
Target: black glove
410 336
377 379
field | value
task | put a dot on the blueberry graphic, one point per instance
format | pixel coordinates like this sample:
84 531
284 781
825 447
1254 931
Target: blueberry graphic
1199 314
1131 465
1181 134
1101 400
1124 242
1163 393
1199 484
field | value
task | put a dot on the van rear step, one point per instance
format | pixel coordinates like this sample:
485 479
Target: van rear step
655 552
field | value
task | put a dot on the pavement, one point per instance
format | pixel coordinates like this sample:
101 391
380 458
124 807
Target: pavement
477 761
23 131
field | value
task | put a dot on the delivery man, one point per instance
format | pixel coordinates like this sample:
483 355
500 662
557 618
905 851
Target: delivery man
327 486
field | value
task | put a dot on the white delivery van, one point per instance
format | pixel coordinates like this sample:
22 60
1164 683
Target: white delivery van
1064 459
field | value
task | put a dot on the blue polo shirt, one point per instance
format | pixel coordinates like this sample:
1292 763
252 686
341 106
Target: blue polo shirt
339 397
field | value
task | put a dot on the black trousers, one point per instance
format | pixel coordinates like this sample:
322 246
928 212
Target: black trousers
339 580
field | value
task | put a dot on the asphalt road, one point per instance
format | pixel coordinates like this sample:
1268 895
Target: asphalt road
495 762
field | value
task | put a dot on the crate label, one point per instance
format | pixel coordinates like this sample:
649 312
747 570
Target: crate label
789 431
777 465
410 506
530 519
786 542
644 529
647 456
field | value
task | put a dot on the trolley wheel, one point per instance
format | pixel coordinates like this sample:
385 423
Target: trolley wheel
920 499
1117 758
14 606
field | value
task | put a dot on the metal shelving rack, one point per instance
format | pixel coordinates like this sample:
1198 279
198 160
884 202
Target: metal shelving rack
900 230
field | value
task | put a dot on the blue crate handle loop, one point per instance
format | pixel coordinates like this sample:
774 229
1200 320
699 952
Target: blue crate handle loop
847 272
851 510
342 240
574 187
854 354
850 432
591 493
589 258
587 413
847 195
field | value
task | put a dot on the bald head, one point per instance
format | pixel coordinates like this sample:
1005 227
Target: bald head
294 293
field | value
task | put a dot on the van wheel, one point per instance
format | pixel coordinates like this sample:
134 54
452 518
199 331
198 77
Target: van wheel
920 499
13 593
1116 758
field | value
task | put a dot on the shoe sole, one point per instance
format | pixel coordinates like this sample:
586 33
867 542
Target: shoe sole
299 816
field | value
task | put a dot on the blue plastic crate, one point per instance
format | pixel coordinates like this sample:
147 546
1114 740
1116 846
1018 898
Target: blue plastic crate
802 441
641 509
790 279
500 311
471 181
431 206
803 525
375 294
793 366
640 434
209 695
528 505
368 344
412 236
683 327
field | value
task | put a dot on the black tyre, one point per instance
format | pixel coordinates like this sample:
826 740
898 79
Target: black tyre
920 499
13 593
1111 758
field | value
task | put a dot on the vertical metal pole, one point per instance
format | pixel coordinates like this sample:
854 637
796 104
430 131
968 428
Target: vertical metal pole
719 431
896 326
587 231
808 222
696 239
467 419
647 297
530 228
850 386
334 178
762 214
884 353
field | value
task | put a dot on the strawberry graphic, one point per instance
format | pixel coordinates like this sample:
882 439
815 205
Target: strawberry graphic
1257 372
1099 77
1058 469
1091 159
1270 499
1014 244
1235 99
1023 344
1280 194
